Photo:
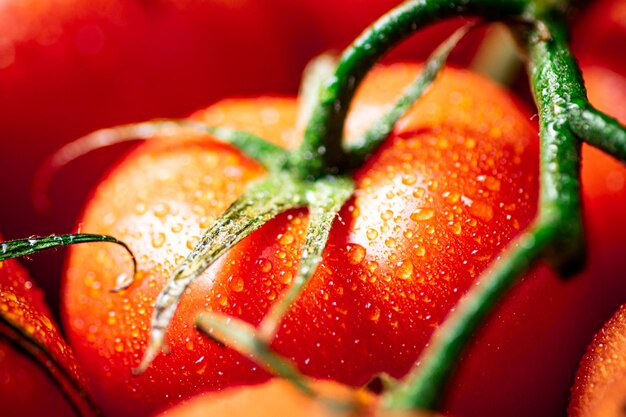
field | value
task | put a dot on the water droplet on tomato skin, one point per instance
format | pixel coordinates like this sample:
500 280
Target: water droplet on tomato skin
371 234
481 211
404 270
422 214
158 240
356 254
265 265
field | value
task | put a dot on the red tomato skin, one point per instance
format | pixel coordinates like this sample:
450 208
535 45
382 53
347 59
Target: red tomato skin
524 360
454 183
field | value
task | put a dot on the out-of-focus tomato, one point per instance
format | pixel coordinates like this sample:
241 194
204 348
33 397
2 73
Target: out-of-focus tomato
453 184
38 373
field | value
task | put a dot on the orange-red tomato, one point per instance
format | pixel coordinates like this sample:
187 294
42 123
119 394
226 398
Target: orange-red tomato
452 185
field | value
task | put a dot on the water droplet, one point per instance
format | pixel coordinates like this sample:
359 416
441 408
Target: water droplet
481 210
161 210
386 214
375 314
409 179
356 254
177 227
391 243
158 239
405 270
236 283
456 228
420 251
452 197
371 234
265 266
422 214
192 242
285 239
492 184
285 277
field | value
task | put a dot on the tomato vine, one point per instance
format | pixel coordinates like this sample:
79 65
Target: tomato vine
316 176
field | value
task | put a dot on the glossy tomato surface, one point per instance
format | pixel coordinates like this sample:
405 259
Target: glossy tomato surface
524 361
452 185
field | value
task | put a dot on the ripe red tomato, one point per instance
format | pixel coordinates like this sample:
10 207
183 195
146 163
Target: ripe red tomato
32 384
524 360
68 67
453 184
600 381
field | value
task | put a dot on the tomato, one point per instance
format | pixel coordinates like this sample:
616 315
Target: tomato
68 67
524 360
453 184
38 373
599 386
279 398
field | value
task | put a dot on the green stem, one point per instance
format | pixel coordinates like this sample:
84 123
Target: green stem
599 130
555 81
321 151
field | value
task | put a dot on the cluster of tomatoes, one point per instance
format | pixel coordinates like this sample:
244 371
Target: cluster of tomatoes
454 183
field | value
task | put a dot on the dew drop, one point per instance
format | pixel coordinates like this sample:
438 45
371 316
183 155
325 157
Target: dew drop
375 314
161 210
285 239
409 179
356 254
405 270
386 215
236 284
452 197
481 210
158 240
265 266
391 243
422 214
285 277
371 234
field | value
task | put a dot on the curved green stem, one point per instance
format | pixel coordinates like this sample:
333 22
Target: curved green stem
23 247
361 148
423 387
265 153
325 200
261 202
242 337
599 130
321 151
